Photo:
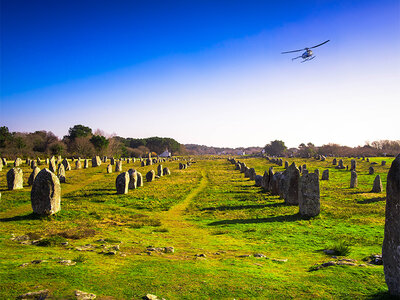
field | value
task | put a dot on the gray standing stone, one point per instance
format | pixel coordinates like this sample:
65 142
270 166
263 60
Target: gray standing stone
104 159
274 183
1 165
160 170
15 179
340 165
367 159
243 167
237 166
47 161
391 241
377 186
247 172
143 163
78 165
371 170
118 166
33 164
334 162
270 176
139 179
252 174
265 181
112 161
4 161
323 158
132 179
17 162
46 193
96 161
325 175
61 173
86 164
291 185
309 195
66 164
149 162
286 164
258 179
150 176
33 175
52 165
166 171
109 169
353 179
353 164
383 163
316 171
122 183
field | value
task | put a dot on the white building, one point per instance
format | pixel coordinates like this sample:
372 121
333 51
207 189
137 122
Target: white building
166 153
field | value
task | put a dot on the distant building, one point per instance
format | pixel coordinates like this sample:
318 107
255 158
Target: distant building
241 152
166 153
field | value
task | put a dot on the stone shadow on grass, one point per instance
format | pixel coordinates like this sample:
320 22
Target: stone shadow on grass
286 218
372 200
30 216
382 296
238 207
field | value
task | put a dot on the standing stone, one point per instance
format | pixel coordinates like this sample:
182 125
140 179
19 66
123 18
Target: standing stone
325 175
316 171
33 164
86 164
252 174
383 163
291 185
274 183
309 195
334 162
367 159
270 176
59 159
15 179
122 183
150 176
149 162
66 164
47 161
258 179
323 158
17 162
139 182
340 165
96 161
243 168
61 173
112 161
128 160
166 171
353 179
46 193
286 164
353 164
104 159
118 166
1 165
371 170
33 175
78 165
391 241
377 187
265 181
52 165
4 161
132 179
160 170
143 164
247 172
109 169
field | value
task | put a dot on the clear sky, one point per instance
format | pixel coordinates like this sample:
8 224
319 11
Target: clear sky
204 72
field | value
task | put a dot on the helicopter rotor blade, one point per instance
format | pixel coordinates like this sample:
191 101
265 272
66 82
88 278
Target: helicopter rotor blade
320 44
292 51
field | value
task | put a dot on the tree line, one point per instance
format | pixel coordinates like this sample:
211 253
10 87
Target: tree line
81 141
375 148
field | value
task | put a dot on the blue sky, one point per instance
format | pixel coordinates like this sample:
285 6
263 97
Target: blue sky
205 72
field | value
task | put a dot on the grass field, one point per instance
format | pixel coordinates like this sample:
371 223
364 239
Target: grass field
215 219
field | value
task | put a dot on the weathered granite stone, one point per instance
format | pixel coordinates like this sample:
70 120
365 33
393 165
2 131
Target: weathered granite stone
15 179
96 161
33 175
122 183
139 179
252 174
52 165
33 164
61 173
160 170
17 162
265 181
334 162
132 179
112 161
391 241
143 163
353 164
258 179
78 165
377 186
340 165
371 170
150 176
291 185
46 193
316 171
66 164
286 164
270 176
309 195
274 183
166 171
353 179
243 167
180 166
86 164
247 172
109 169
118 166
325 175
149 162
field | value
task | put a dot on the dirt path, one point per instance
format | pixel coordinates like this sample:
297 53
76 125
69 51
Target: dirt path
186 236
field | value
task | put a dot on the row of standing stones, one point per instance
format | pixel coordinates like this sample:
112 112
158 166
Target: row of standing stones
304 191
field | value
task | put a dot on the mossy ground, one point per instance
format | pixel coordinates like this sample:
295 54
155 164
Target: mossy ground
208 209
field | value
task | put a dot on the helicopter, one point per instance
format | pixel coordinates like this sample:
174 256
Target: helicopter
308 54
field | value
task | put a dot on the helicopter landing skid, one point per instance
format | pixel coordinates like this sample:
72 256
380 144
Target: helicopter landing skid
307 59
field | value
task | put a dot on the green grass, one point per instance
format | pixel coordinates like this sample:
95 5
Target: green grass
208 209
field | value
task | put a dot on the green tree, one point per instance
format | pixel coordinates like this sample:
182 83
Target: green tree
5 136
276 147
79 131
99 142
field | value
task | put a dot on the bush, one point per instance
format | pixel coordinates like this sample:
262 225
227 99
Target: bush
341 249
